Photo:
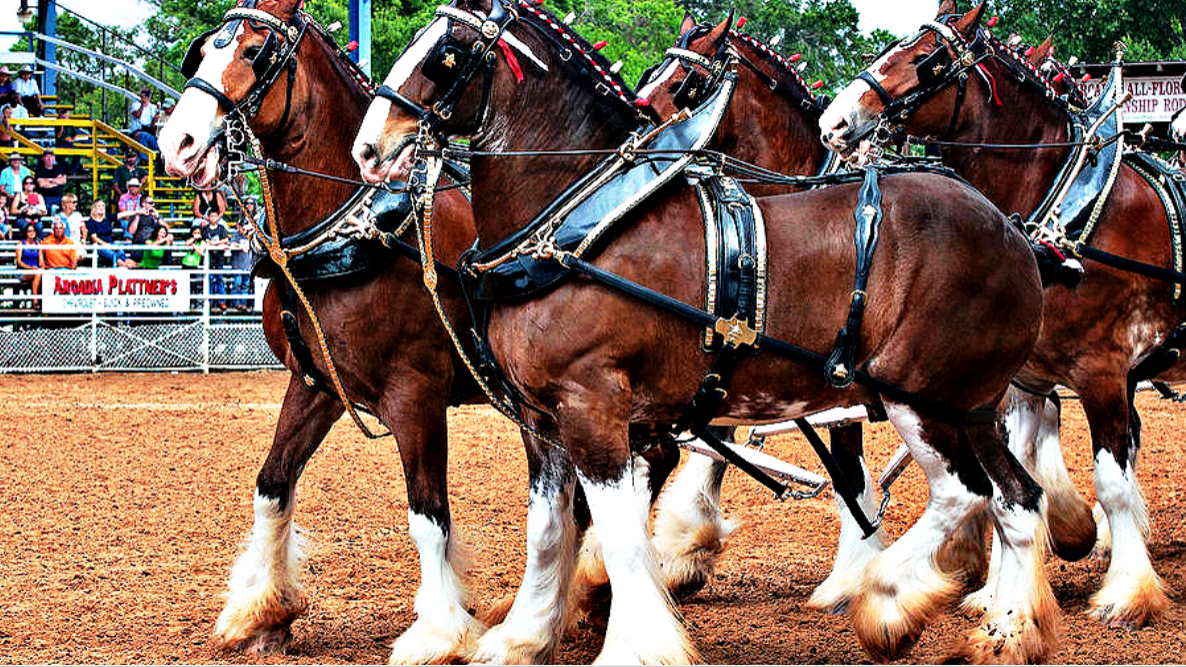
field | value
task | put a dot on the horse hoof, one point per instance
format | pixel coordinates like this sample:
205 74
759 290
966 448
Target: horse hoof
1013 641
269 643
1072 528
425 644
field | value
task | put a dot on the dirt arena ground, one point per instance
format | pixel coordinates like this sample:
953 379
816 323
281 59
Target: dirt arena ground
126 498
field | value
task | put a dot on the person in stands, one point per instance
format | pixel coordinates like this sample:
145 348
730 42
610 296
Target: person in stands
125 172
159 254
28 206
28 257
7 139
99 232
143 227
51 180
206 201
128 209
13 176
5 81
143 115
242 259
215 234
59 251
26 86
69 215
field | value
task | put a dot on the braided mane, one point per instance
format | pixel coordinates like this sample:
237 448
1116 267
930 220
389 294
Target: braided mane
597 64
1033 74
776 57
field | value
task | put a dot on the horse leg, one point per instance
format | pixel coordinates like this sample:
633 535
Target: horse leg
536 620
690 532
1132 594
264 592
1020 618
444 630
853 551
591 589
903 587
1068 516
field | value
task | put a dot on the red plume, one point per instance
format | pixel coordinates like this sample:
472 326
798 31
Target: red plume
741 22
993 21
352 46
817 85
600 45
795 58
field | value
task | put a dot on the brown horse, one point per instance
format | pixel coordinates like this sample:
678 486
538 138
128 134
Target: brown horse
592 360
391 351
772 122
1093 337
382 330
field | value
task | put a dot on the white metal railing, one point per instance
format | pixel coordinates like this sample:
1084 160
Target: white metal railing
188 334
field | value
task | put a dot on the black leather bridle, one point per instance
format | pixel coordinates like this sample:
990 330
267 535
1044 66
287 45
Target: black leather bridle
276 56
935 73
481 56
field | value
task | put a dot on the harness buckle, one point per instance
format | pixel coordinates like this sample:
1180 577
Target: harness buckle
736 332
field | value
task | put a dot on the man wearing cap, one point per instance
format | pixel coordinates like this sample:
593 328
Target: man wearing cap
128 170
26 86
5 82
51 179
143 124
128 208
14 175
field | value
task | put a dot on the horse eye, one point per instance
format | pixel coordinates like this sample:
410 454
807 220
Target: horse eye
252 52
918 59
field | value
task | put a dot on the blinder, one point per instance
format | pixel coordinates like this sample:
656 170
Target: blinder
932 68
266 57
690 91
193 55
449 57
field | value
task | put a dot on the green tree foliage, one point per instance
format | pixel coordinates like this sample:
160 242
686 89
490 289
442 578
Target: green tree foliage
823 31
1150 29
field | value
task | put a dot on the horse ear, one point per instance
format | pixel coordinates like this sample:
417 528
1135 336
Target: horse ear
688 23
946 8
968 23
1042 51
721 33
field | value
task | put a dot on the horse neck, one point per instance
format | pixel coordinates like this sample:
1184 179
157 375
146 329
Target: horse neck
1014 180
316 136
546 114
768 129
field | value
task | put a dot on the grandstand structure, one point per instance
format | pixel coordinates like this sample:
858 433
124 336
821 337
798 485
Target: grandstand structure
184 315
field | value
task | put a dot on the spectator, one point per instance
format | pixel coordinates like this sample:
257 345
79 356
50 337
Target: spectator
26 86
5 227
125 172
59 251
14 175
252 211
7 139
64 138
69 215
193 260
5 81
154 257
143 120
99 232
128 206
215 235
28 205
206 201
51 179
242 259
143 227
28 257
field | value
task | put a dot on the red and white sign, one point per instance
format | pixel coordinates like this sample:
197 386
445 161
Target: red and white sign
1154 99
115 291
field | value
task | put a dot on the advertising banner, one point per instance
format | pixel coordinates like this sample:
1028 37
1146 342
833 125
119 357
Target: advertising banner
115 291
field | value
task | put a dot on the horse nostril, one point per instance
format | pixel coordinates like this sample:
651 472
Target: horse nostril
187 141
368 152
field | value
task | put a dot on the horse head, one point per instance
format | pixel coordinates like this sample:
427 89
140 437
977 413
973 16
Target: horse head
258 68
499 71
915 77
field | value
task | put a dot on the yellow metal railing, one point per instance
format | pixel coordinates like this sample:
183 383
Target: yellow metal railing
100 136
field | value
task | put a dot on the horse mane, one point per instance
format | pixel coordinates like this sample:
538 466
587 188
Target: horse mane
594 64
1026 72
776 58
341 62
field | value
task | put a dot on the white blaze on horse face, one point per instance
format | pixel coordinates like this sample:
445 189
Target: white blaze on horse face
412 58
846 116
662 78
197 113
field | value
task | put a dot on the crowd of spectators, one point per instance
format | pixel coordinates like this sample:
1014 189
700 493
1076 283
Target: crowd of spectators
45 230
